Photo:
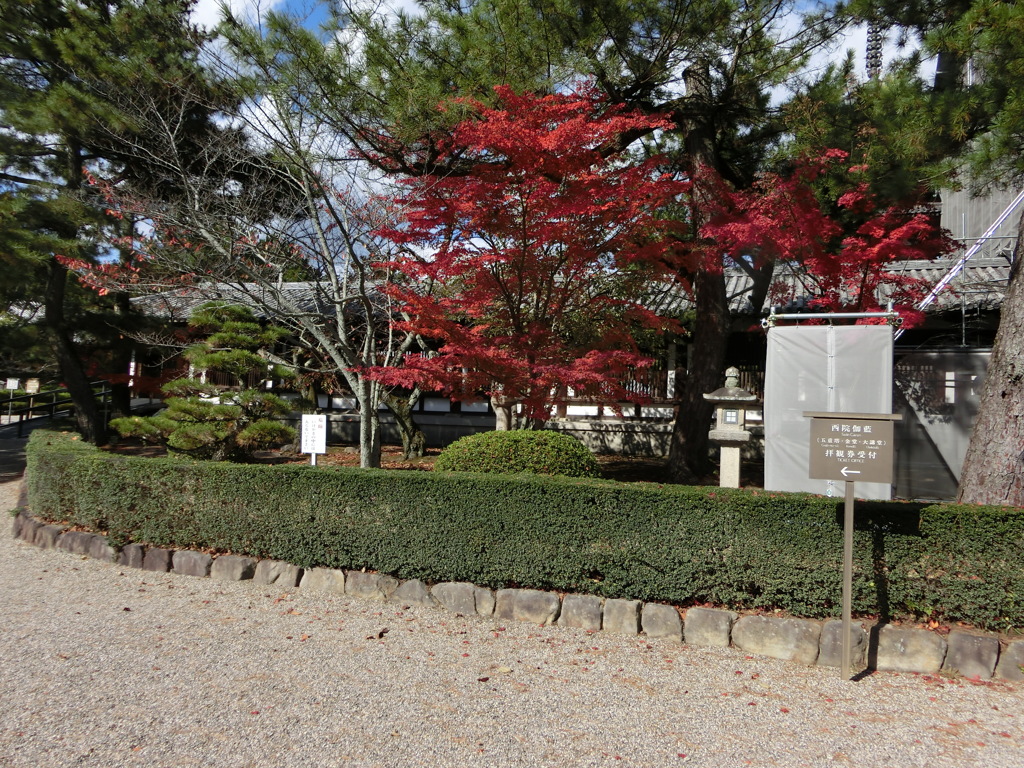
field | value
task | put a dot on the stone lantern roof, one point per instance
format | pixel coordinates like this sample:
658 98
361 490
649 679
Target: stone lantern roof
731 393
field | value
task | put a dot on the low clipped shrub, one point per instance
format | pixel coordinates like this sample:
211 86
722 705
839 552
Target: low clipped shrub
207 421
509 453
744 549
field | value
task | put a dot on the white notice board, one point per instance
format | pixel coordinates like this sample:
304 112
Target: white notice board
314 433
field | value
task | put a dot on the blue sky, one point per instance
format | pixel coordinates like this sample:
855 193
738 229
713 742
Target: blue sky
207 12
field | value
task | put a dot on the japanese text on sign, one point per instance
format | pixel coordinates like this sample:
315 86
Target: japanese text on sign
851 447
314 433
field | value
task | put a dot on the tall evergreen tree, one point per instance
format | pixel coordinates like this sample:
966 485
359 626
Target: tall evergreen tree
710 65
63 64
991 35
974 108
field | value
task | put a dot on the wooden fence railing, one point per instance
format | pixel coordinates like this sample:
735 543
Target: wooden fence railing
20 409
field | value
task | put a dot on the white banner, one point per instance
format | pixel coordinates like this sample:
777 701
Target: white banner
837 369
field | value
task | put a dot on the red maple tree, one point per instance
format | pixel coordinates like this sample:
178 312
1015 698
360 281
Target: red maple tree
529 271
848 257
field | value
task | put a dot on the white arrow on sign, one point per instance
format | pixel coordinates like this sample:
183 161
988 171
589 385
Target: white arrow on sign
847 471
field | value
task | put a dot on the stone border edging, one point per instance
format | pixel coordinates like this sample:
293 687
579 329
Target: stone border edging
805 641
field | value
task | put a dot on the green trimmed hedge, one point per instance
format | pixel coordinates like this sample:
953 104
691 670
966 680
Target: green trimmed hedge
520 450
743 549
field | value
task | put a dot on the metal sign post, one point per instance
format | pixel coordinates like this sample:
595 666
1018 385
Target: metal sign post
849 447
847 581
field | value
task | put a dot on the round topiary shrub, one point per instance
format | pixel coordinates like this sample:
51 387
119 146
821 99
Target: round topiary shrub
540 452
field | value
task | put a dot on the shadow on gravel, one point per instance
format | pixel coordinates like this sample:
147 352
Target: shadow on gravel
12 459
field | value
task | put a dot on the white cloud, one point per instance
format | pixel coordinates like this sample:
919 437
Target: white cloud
207 13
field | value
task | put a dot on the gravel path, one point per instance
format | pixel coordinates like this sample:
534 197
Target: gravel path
107 666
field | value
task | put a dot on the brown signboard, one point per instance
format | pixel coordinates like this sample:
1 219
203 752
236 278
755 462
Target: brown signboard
852 447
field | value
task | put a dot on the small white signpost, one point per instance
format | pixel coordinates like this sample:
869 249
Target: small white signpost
314 435
12 384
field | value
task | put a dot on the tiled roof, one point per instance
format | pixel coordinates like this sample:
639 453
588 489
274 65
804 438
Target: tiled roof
981 285
179 303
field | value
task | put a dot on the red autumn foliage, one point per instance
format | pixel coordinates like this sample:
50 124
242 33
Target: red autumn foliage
846 259
529 272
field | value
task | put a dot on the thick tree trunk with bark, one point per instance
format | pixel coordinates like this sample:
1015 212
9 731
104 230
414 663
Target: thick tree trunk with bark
504 413
414 442
688 452
993 471
90 422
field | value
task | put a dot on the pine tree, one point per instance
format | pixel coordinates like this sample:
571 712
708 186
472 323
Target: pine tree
63 67
220 421
710 65
992 35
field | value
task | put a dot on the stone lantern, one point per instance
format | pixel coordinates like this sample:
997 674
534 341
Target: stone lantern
731 404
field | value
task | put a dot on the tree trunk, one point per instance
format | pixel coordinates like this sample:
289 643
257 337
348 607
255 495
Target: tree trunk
504 413
123 347
369 424
90 422
688 451
414 442
993 471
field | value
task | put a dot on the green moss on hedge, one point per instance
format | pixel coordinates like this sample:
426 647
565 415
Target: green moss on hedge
744 549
